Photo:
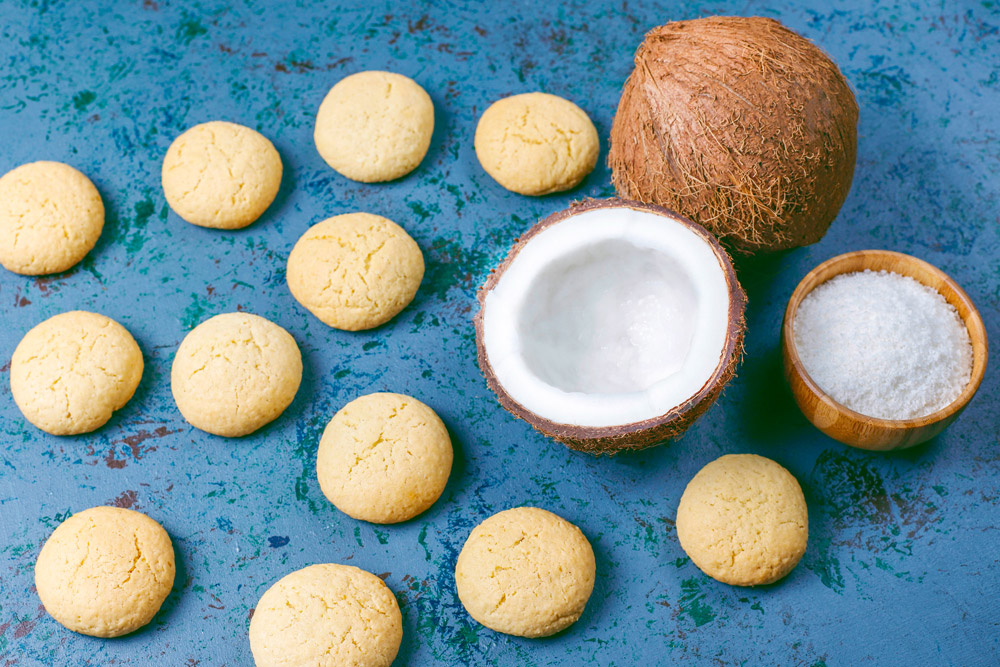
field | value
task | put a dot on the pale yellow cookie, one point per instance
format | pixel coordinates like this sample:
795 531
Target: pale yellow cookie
525 572
105 571
51 215
374 126
221 175
235 372
355 271
72 371
384 458
326 615
536 143
743 520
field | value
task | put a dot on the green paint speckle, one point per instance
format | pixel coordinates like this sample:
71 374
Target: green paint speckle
189 29
422 211
452 266
422 540
692 603
305 452
90 266
454 191
82 99
421 318
144 210
822 562
194 312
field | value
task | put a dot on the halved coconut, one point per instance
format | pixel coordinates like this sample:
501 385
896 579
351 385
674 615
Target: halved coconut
611 325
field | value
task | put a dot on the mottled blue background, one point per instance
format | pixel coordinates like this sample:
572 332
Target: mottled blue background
902 561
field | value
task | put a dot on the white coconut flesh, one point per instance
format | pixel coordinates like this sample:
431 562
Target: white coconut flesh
609 317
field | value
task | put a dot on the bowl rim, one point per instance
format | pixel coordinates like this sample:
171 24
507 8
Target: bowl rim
952 408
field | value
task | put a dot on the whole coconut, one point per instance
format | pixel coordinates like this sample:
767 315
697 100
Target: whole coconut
740 124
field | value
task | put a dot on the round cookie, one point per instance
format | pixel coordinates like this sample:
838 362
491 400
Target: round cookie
105 571
51 215
326 615
374 126
221 175
384 458
743 521
235 372
525 572
355 271
72 371
536 144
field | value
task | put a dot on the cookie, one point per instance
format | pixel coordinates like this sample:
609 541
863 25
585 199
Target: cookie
221 175
72 371
235 372
384 458
105 571
355 271
525 572
374 126
51 215
326 615
743 520
535 143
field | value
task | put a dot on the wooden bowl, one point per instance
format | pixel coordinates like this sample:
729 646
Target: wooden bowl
846 425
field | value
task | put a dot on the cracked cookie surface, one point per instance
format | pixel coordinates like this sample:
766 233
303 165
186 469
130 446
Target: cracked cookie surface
326 615
221 175
51 215
374 126
743 520
536 143
384 458
234 373
355 271
105 571
525 571
70 373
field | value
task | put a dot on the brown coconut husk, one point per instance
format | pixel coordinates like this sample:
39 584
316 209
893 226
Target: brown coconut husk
741 125
638 435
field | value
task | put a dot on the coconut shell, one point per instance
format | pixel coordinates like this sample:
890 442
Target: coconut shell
741 125
637 435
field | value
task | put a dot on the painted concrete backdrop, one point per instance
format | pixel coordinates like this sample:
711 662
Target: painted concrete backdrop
902 565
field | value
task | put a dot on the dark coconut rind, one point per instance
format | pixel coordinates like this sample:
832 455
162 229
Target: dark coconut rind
741 125
638 435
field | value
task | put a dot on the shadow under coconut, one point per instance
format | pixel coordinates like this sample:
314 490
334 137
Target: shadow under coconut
768 411
654 457
760 398
758 273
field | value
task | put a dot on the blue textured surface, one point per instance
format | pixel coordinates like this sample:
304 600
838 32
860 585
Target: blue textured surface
902 561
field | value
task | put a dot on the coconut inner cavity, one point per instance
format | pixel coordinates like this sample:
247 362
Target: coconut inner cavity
610 318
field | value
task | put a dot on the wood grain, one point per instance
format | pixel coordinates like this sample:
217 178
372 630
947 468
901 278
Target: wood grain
846 425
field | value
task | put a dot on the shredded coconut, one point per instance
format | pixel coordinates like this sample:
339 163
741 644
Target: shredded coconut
883 344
